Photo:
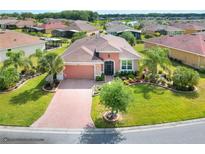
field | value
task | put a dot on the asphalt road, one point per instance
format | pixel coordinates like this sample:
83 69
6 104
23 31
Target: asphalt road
194 133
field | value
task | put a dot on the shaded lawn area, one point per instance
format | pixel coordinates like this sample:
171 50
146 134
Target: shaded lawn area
154 105
25 105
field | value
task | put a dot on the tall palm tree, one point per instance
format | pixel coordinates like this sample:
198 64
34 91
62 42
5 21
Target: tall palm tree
52 64
156 57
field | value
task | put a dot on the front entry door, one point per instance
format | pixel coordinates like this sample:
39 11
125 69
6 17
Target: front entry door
109 68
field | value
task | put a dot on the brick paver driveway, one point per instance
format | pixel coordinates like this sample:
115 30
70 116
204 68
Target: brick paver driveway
70 106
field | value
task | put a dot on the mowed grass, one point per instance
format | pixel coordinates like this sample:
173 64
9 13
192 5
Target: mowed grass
25 105
154 105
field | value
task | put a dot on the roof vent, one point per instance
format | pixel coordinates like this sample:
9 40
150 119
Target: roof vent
14 40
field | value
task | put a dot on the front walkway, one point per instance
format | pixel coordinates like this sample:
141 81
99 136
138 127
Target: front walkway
70 106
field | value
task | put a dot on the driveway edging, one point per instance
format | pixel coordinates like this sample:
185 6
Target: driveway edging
102 130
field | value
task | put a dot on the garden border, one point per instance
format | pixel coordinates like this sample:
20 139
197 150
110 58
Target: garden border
24 82
168 88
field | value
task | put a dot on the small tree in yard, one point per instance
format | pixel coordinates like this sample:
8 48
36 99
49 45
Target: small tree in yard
129 37
185 78
8 77
52 64
116 96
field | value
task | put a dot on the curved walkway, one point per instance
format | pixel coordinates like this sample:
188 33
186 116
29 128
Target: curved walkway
70 106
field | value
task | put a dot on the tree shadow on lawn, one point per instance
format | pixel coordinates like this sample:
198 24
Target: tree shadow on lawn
147 89
90 136
193 95
29 95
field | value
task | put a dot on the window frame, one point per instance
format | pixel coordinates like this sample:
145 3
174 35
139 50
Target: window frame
126 65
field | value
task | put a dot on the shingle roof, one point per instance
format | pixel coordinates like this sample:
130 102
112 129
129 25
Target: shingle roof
187 26
52 26
83 50
190 43
23 23
80 25
157 27
12 39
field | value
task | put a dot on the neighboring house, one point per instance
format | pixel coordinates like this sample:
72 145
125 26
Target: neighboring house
47 28
132 23
162 29
11 40
8 23
73 27
189 28
91 56
116 28
189 48
25 23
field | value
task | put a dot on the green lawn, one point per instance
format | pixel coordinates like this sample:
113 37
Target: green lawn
25 105
154 105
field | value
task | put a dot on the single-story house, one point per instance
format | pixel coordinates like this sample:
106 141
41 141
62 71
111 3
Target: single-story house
116 28
11 40
74 27
8 23
188 48
25 23
188 27
46 28
91 56
162 29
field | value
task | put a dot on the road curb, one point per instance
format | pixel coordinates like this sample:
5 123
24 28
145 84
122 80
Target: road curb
101 130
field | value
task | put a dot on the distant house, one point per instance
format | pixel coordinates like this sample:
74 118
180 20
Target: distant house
8 23
25 23
189 48
91 56
189 28
73 27
11 40
132 23
47 28
162 29
116 28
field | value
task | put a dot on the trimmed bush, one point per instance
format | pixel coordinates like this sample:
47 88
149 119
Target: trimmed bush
8 77
100 78
185 78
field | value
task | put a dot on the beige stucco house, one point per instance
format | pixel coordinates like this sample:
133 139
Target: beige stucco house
189 48
91 56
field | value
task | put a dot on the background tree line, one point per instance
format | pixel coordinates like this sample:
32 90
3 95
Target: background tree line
74 15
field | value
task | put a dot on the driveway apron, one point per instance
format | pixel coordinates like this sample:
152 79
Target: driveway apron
70 106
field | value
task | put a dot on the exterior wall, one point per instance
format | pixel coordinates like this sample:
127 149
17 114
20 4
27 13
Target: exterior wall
190 59
134 65
98 69
27 49
114 57
79 72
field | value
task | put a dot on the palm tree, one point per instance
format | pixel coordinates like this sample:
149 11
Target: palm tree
52 64
15 58
18 59
156 57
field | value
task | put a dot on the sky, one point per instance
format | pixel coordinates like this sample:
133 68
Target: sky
112 11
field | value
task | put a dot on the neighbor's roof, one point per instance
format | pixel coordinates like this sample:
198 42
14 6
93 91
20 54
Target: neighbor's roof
158 27
53 25
83 50
187 25
116 27
80 25
8 21
25 23
12 39
194 43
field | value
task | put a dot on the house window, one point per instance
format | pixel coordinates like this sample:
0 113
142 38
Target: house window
126 65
